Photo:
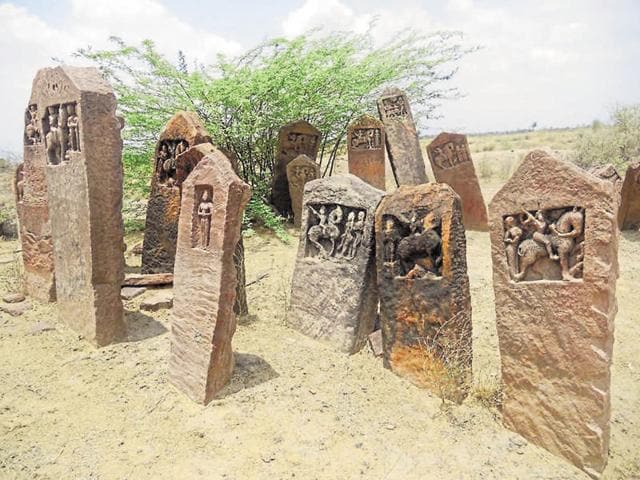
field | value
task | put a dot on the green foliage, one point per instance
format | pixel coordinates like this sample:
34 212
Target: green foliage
260 213
133 225
618 143
326 80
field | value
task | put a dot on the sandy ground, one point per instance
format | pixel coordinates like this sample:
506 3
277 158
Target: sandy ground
294 408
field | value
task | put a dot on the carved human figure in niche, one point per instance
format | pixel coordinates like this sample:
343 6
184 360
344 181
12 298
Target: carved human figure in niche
347 238
163 156
31 130
441 159
72 125
358 233
366 138
327 229
394 107
564 235
302 175
205 211
54 137
390 239
419 253
20 182
540 234
181 147
512 236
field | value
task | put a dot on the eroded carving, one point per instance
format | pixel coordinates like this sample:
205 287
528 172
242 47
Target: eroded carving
451 154
412 244
19 183
31 130
204 212
166 160
301 174
366 139
545 244
334 231
395 107
61 130
300 143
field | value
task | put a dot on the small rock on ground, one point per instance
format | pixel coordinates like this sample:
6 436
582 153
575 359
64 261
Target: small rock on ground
157 301
375 342
128 293
15 309
13 298
40 327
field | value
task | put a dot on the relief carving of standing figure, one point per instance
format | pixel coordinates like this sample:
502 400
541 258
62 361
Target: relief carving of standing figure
205 211
72 124
512 238
54 138
31 129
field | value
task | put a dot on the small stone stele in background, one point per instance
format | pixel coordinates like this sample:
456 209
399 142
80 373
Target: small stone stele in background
213 201
294 139
171 166
554 245
425 306
300 171
365 150
158 301
403 143
13 298
629 212
451 164
83 151
333 290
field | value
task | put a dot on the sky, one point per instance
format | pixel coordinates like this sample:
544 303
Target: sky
554 62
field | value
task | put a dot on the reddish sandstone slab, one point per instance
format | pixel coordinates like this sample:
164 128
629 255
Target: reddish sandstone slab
425 307
554 241
294 139
365 149
629 213
300 171
204 286
451 163
83 150
403 143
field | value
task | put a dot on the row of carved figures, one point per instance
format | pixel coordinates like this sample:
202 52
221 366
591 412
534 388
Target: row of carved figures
331 238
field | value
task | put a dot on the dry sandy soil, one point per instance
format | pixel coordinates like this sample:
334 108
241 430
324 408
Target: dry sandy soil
294 408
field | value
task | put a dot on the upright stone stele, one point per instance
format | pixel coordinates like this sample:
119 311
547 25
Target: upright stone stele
365 149
170 168
204 322
294 139
451 163
629 212
32 206
333 291
554 242
300 171
83 151
425 307
403 143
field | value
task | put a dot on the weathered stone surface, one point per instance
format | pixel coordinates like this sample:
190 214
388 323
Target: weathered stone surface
609 172
83 148
365 149
375 342
555 317
129 293
451 162
425 307
300 171
294 139
32 205
15 309
205 278
173 160
333 292
158 301
13 298
403 144
629 212
141 280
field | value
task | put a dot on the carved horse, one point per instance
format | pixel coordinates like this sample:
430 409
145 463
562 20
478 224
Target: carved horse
416 248
328 231
562 237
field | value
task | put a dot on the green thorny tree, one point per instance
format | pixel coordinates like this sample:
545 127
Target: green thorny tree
326 80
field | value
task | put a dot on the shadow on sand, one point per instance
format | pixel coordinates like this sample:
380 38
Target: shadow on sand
250 370
141 327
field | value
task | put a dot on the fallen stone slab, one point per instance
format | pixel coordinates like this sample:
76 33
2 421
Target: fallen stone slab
13 298
129 293
144 280
15 309
157 301
40 327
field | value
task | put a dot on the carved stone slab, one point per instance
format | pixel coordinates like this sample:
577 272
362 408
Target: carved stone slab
333 291
629 213
451 163
365 148
204 283
554 242
32 205
403 144
300 171
294 139
83 151
170 168
609 172
425 305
